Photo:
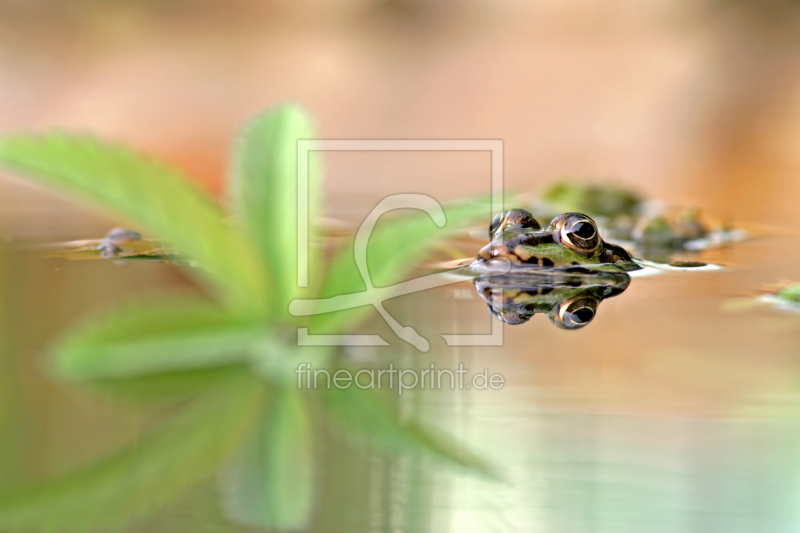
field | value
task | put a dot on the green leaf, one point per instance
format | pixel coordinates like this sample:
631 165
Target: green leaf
366 415
271 482
166 387
156 335
395 245
265 190
149 474
154 196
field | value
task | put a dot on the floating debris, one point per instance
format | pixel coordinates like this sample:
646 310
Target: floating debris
119 243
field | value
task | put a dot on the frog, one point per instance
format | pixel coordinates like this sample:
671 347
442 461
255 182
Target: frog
113 243
606 200
667 232
655 230
571 241
569 300
118 244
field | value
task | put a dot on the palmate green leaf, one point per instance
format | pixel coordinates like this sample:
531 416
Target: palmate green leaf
264 187
367 415
159 199
271 482
395 245
149 336
149 474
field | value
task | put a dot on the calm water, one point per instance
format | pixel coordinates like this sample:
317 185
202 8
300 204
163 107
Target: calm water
666 413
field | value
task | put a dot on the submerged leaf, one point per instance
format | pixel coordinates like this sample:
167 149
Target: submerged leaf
156 335
271 483
151 473
154 196
166 387
366 415
265 190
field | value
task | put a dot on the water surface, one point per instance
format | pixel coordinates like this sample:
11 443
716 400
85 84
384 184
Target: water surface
665 413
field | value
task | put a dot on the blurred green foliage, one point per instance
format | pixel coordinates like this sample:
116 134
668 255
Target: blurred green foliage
224 358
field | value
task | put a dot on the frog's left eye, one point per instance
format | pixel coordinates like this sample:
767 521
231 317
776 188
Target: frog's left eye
517 219
494 225
578 232
575 312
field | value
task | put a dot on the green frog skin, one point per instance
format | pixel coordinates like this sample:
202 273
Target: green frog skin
570 240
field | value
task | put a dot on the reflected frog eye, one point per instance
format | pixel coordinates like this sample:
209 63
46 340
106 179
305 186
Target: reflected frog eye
516 219
575 313
579 233
510 317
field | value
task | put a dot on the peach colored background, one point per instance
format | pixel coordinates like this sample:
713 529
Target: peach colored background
696 102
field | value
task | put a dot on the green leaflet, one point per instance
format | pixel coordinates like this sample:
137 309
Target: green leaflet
368 416
166 388
183 342
156 335
145 476
271 482
394 246
264 186
149 194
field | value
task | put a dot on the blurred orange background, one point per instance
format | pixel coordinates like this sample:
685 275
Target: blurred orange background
690 101
696 102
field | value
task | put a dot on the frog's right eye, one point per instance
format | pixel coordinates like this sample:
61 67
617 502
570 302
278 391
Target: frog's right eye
517 219
578 232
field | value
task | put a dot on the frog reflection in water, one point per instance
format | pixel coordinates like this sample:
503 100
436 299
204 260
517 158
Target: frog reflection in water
570 300
564 270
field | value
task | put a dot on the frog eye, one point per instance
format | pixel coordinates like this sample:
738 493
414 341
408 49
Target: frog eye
517 219
578 232
510 317
494 225
575 312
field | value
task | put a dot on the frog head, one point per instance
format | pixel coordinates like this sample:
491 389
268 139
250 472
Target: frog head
569 240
